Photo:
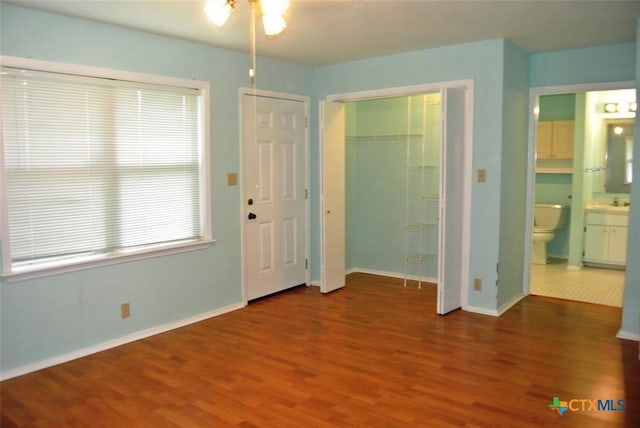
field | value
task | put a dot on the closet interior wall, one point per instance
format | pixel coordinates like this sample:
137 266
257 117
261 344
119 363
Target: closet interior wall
392 186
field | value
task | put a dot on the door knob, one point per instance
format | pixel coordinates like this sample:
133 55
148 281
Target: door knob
252 216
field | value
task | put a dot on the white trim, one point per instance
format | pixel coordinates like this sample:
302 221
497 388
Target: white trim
288 97
106 73
468 184
390 274
467 84
274 94
63 358
627 335
508 305
104 260
398 91
582 87
481 311
534 93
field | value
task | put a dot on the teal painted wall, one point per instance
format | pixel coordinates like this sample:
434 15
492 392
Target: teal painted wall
60 314
557 107
376 182
631 308
513 189
556 188
375 171
578 190
482 62
610 63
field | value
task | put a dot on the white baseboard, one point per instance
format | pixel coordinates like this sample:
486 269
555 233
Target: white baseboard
559 256
494 312
63 358
628 335
482 311
575 268
390 274
506 306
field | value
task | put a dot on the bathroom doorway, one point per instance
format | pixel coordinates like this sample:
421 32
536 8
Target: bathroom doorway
574 141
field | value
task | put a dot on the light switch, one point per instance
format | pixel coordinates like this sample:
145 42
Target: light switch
482 175
232 179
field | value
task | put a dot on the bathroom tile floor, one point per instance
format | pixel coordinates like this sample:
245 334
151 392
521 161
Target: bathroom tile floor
591 285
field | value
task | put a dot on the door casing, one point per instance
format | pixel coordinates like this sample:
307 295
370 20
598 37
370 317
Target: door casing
534 94
467 85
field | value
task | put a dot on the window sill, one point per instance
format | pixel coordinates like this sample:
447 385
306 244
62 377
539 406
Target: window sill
55 268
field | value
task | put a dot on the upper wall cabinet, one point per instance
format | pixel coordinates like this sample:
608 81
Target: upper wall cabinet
554 139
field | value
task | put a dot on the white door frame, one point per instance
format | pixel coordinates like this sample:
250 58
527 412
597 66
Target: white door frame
289 97
534 93
467 85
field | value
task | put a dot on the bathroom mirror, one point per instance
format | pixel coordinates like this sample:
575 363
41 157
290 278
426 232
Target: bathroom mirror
619 156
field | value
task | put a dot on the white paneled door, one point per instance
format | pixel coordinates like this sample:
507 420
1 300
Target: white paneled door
333 212
274 191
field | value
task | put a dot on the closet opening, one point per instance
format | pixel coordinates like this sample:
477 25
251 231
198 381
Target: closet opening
406 188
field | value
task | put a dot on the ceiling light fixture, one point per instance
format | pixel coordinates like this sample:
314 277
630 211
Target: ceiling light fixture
272 12
620 107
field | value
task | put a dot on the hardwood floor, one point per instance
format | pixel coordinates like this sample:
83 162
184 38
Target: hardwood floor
374 354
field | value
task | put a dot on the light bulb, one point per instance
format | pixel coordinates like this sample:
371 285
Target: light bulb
273 25
623 107
219 11
274 7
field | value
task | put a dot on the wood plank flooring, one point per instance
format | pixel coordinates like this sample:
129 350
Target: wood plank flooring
374 354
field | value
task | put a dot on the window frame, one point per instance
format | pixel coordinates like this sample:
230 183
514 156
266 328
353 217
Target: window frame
54 268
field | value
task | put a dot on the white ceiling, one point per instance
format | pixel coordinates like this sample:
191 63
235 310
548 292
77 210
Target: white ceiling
333 31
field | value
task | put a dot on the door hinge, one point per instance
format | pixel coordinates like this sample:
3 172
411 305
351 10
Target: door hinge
497 267
306 193
306 122
306 263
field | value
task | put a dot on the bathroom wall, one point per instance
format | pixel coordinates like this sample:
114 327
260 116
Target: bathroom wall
556 188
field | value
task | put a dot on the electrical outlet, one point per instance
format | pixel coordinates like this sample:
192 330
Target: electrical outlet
477 284
125 310
232 179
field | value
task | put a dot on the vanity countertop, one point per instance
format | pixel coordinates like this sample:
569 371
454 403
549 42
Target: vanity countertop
607 208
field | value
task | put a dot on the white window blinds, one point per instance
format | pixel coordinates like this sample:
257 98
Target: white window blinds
97 167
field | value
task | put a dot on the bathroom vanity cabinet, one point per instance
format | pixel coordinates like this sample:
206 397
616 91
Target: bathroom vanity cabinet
605 238
554 139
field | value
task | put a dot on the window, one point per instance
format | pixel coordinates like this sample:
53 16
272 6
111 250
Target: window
98 168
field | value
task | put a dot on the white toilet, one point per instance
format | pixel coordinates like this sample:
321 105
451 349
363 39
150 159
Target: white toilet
547 218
